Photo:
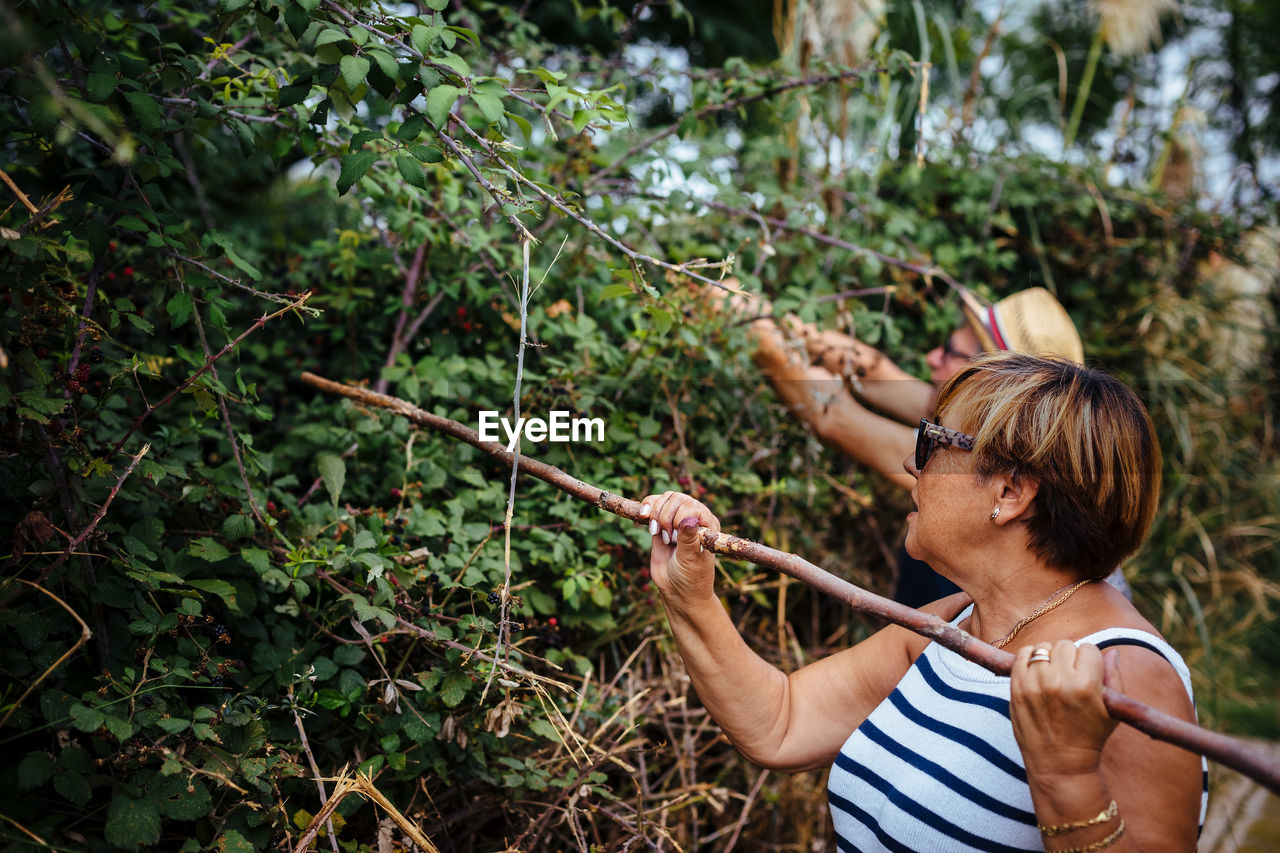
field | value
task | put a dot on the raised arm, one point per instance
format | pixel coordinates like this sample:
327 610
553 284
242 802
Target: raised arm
877 380
781 722
821 399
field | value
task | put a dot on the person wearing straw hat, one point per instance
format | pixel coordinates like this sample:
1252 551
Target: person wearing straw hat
862 404
1032 479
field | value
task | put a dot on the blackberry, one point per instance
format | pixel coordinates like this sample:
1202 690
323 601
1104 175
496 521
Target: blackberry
494 599
217 681
97 356
148 701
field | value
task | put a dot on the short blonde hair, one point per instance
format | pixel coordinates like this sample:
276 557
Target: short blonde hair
1083 435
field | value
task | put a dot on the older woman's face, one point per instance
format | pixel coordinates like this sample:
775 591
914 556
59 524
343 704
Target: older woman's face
945 361
951 504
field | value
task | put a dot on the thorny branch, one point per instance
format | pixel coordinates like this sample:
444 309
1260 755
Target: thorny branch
1224 749
735 103
686 269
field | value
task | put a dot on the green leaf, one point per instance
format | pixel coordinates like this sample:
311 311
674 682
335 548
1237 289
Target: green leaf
426 153
86 719
294 94
132 823
173 725
359 139
237 526
353 169
181 799
438 5
146 110
613 291
354 70
329 36
222 589
233 841
35 769
410 129
386 62
73 786
120 729
490 106
523 123
440 101
98 87
422 37
457 63
466 33
234 256
411 171
179 308
258 558
207 548
296 19
454 688
333 470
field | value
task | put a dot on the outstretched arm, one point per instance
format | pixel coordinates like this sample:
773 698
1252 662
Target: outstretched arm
782 722
876 378
821 399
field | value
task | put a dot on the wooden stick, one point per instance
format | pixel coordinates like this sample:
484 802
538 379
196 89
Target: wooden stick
1224 749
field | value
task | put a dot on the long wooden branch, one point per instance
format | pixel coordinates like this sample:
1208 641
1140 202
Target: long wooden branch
1224 749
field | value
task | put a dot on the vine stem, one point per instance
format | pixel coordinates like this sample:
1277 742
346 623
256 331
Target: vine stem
1233 753
504 624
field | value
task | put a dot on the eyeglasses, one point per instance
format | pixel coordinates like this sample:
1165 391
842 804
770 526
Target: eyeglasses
931 436
949 351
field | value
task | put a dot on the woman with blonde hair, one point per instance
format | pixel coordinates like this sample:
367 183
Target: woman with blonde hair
1034 478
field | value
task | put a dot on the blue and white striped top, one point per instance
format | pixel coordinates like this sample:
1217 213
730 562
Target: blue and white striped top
935 766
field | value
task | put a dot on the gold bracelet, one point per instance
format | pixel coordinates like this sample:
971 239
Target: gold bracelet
1103 816
1097 845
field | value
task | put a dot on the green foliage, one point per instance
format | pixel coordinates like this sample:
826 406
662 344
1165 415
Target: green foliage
263 187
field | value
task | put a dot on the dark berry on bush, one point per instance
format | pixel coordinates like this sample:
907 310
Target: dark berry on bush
42 351
148 701
494 599
96 356
396 493
217 681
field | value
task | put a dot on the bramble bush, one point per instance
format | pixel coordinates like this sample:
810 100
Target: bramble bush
261 586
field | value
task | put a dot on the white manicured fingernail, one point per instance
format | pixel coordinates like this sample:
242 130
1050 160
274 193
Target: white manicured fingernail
644 510
666 538
653 527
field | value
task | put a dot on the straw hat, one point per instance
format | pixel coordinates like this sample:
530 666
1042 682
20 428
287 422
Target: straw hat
1030 321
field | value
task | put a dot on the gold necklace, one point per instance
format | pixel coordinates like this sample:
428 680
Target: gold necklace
1048 605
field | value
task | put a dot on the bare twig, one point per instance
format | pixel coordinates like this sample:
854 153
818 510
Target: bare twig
735 103
222 404
327 805
85 634
686 269
1233 753
889 260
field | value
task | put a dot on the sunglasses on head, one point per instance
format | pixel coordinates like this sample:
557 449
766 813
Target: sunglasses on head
931 436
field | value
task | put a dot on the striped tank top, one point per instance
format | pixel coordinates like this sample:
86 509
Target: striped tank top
936 767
